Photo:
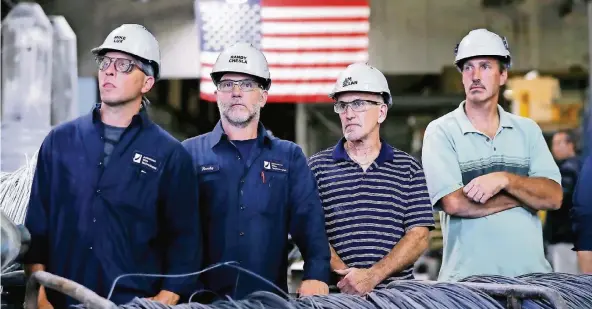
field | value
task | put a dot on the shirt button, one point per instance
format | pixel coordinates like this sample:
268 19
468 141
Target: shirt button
90 248
242 180
242 207
241 192
100 164
94 220
241 233
238 157
98 191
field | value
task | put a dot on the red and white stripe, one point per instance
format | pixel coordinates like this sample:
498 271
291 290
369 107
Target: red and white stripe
307 44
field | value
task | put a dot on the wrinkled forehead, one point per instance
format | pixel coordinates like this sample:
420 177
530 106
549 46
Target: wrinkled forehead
354 95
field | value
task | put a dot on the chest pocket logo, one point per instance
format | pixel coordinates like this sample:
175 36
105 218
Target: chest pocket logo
145 162
274 166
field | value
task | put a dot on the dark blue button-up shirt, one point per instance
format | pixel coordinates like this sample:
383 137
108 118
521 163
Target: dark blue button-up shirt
581 213
250 205
91 223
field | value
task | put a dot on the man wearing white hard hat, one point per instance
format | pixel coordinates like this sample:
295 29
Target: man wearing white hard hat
255 188
489 172
377 208
113 193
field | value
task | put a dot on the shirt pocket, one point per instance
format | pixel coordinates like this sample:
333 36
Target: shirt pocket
141 191
213 195
273 196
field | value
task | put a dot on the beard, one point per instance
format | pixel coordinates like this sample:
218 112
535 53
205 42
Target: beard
239 117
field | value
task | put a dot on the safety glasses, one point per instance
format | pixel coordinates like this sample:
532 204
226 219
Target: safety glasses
244 85
356 105
122 65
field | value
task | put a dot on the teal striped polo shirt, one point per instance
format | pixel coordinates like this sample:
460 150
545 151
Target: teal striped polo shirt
507 243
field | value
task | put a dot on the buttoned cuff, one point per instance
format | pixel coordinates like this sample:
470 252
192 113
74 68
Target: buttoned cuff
317 270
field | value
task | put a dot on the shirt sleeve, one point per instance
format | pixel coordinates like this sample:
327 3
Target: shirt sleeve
182 228
542 163
419 211
38 210
440 164
581 212
307 220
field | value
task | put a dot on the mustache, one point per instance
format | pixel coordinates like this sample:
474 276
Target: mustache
477 85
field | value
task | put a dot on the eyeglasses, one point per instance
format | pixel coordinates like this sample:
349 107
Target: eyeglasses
122 65
244 85
356 105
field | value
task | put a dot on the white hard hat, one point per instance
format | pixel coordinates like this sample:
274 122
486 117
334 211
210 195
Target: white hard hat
135 40
242 58
361 77
482 42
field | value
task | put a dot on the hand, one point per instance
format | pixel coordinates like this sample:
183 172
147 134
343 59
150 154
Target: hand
357 281
482 188
313 287
166 297
43 303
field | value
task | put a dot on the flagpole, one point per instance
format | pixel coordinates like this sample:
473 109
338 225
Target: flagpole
302 127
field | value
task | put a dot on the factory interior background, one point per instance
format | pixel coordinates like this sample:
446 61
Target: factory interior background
411 41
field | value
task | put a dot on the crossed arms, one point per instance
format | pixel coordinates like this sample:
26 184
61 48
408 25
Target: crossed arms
493 192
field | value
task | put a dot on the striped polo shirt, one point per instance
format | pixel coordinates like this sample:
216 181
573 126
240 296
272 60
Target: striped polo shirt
367 213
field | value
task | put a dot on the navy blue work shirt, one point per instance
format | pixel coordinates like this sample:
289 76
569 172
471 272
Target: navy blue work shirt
250 205
91 223
581 213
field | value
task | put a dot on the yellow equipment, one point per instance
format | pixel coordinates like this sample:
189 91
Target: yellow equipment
540 98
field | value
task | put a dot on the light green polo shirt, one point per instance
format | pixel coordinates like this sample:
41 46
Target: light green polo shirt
508 243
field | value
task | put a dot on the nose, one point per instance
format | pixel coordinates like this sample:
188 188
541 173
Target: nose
236 91
476 76
349 112
110 70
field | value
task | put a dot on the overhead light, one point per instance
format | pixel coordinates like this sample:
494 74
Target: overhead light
236 1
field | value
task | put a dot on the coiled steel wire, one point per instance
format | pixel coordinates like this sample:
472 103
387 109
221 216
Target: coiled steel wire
411 294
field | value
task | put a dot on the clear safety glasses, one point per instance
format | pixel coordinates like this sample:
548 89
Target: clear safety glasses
122 65
244 85
356 105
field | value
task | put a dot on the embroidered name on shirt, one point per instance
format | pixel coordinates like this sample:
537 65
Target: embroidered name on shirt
146 161
208 168
274 166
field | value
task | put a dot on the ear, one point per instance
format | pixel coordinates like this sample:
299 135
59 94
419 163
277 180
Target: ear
503 77
148 84
263 98
382 112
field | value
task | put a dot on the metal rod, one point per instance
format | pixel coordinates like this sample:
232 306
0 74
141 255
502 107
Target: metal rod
521 291
80 293
515 291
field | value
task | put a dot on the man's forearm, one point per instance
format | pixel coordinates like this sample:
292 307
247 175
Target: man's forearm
585 261
457 204
336 261
535 192
405 253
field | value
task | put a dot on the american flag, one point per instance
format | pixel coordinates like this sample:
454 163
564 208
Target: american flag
306 42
